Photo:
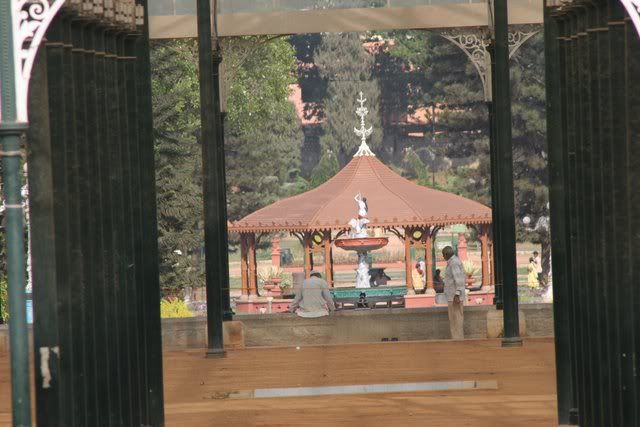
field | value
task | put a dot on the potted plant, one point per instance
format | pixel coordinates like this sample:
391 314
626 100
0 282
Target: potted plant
271 279
469 270
286 281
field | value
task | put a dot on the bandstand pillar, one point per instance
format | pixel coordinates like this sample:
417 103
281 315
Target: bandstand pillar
492 264
244 267
307 244
253 265
428 257
484 250
328 258
407 261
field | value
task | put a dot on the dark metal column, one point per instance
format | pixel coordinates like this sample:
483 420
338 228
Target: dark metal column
621 74
561 297
502 101
607 238
94 240
151 328
495 184
212 167
41 199
222 192
58 105
10 131
133 150
633 122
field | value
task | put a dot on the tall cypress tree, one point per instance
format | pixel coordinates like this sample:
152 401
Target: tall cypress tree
347 69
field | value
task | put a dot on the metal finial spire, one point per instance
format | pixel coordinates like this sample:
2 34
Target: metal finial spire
363 132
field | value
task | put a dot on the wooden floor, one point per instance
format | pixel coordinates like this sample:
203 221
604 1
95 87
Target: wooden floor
195 386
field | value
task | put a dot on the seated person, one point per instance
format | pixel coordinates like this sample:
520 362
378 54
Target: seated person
419 277
313 298
379 278
438 283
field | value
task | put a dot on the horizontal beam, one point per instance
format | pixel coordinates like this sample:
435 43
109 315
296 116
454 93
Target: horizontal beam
347 20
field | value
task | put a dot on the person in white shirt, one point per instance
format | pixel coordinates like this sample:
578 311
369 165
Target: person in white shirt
538 261
454 291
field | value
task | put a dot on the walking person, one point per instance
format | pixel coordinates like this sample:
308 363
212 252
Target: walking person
454 291
532 276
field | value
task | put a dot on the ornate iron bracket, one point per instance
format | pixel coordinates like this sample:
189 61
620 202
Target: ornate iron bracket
475 45
30 22
31 19
633 9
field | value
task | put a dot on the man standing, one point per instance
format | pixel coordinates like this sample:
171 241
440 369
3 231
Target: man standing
538 261
454 287
313 298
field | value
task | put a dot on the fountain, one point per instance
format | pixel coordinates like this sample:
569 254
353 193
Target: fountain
360 242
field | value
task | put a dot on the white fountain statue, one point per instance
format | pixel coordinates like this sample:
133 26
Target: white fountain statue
358 231
359 225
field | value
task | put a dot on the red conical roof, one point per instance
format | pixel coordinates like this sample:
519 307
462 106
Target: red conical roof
393 201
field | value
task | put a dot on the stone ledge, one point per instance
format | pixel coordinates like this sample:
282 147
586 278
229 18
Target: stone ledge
342 327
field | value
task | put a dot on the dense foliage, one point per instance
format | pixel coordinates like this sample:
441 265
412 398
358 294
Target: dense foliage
179 192
263 136
447 78
262 143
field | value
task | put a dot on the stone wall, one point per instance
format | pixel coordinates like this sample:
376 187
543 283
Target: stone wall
346 327
360 326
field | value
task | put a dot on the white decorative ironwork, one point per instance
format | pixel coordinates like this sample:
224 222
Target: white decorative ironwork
475 45
633 9
31 18
517 39
30 22
363 132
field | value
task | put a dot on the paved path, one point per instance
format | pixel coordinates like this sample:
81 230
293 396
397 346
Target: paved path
194 385
525 376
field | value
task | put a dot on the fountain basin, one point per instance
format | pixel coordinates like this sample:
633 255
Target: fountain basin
387 291
362 244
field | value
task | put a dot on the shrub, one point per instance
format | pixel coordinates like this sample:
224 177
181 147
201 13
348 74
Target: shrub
173 307
4 300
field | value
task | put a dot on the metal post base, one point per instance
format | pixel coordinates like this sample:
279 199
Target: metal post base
512 342
574 419
215 354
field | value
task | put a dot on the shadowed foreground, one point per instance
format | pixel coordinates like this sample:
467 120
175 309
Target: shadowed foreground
196 388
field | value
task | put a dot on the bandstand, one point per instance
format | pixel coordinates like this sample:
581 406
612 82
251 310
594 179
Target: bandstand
318 217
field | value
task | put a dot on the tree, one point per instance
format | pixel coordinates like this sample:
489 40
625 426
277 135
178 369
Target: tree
263 137
443 77
450 79
176 117
326 168
348 69
529 145
262 143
